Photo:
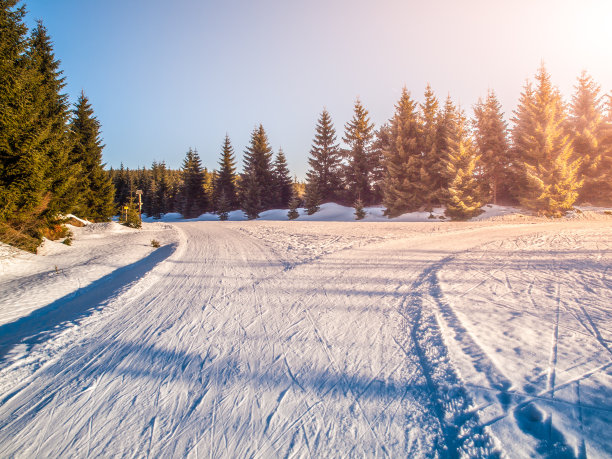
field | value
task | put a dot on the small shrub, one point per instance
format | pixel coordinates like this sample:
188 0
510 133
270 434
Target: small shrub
74 222
133 219
608 212
67 241
155 243
360 213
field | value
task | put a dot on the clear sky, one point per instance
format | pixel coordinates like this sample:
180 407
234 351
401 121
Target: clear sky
165 76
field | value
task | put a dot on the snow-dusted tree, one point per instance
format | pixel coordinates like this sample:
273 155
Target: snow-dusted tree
491 135
283 186
463 198
257 182
324 162
358 136
587 126
404 185
550 186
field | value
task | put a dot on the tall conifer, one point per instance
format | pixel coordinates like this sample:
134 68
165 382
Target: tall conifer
544 151
96 199
323 176
283 186
358 136
404 187
491 135
257 183
225 183
587 128
192 198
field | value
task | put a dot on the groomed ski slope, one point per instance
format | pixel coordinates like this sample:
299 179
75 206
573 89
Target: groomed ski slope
277 339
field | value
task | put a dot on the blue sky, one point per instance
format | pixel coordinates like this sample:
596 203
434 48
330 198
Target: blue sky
165 76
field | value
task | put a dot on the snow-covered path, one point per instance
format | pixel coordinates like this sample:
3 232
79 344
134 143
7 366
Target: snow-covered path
250 341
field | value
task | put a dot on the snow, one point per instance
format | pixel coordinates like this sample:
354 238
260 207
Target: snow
411 338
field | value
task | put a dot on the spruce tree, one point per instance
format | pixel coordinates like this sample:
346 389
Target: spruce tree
404 187
96 191
160 189
463 199
358 136
431 154
225 183
491 135
293 205
53 117
257 183
587 127
323 175
543 150
23 163
283 187
223 206
192 198
360 213
312 198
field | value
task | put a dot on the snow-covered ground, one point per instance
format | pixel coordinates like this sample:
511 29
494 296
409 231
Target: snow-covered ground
276 338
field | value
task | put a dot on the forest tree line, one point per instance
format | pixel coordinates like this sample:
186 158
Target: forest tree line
428 154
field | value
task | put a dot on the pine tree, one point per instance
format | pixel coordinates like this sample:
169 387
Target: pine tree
432 156
53 117
160 189
293 205
312 198
544 152
380 144
587 128
223 206
257 186
463 200
192 199
23 166
404 187
95 188
359 210
225 182
324 162
491 135
282 181
358 136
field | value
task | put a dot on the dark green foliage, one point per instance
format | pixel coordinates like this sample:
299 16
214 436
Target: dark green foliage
325 161
223 207
193 202
312 198
431 152
491 136
283 187
96 191
225 182
359 210
404 185
293 205
257 179
358 136
160 190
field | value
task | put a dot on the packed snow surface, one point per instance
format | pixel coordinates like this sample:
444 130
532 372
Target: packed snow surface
324 339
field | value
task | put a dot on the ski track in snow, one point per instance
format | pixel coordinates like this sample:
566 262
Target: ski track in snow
269 339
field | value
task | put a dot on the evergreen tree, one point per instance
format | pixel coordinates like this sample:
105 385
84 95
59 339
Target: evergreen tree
463 199
293 205
358 136
23 163
381 144
160 189
491 135
359 210
323 175
404 187
432 155
312 198
550 184
95 188
225 182
192 199
257 186
223 207
282 181
53 117
587 128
